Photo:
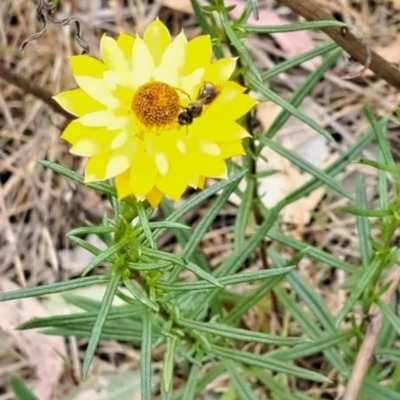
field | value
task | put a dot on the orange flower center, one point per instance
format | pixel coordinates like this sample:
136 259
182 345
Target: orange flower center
156 105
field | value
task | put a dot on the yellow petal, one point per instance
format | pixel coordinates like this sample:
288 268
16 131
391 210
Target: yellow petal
172 62
114 58
88 141
123 184
106 166
231 149
202 181
220 71
172 185
125 43
157 39
217 129
233 109
211 166
112 119
143 174
191 83
86 65
113 163
97 89
142 63
154 197
198 54
78 102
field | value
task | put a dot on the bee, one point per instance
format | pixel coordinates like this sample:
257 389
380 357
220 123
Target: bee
207 94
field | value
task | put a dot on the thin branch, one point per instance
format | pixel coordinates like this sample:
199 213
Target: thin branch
366 352
347 41
27 87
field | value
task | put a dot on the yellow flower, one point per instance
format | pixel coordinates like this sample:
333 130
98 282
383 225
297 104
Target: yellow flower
129 105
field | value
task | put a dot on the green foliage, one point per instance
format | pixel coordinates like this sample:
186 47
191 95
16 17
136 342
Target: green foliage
199 320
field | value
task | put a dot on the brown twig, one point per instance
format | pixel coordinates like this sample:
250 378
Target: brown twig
367 348
27 87
347 41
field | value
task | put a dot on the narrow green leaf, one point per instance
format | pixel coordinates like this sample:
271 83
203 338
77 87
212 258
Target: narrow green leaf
167 225
161 255
298 60
225 281
85 245
238 45
272 96
53 288
197 199
105 255
142 266
243 213
383 187
194 376
380 166
369 274
144 223
389 314
333 169
252 299
267 363
366 213
299 26
362 223
311 329
168 365
208 219
106 303
239 334
308 349
392 355
145 357
87 318
86 230
59 169
242 388
305 166
377 391
314 252
381 138
139 295
20 390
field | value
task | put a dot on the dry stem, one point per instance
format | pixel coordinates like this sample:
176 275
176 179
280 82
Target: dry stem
347 41
367 348
27 87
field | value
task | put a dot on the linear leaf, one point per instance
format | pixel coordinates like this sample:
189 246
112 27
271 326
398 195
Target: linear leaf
228 280
167 225
242 388
20 390
168 364
144 223
85 230
362 223
305 166
366 213
145 357
242 214
106 303
239 334
190 387
298 60
389 314
272 96
53 288
105 255
303 91
377 391
139 295
85 245
199 198
299 26
87 318
267 363
369 274
61 170
143 266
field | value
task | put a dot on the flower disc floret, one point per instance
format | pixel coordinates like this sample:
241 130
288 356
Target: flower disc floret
156 105
127 108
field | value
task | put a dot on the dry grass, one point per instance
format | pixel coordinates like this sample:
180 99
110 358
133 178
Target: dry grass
37 207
